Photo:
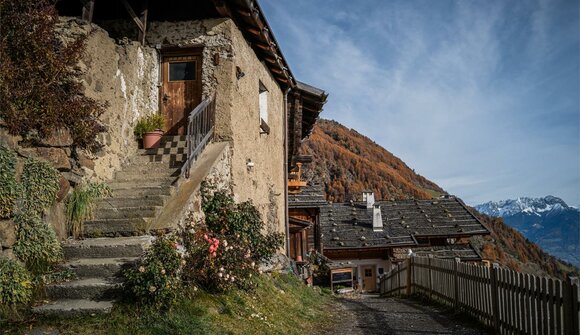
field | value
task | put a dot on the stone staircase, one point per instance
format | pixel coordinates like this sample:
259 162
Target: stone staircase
118 234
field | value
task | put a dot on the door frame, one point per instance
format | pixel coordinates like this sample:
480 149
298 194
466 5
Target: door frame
174 51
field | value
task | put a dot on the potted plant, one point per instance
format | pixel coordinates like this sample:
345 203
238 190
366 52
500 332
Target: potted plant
150 129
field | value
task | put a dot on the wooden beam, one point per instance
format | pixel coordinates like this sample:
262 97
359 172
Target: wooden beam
143 19
222 8
133 15
88 10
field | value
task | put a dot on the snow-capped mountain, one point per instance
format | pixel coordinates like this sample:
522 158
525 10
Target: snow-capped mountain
535 206
548 222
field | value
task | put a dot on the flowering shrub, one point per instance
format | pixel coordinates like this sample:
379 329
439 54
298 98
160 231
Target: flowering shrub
156 279
225 250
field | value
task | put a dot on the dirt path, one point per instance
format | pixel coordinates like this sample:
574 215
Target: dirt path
373 315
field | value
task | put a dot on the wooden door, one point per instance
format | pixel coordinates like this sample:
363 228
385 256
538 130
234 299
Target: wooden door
181 88
369 278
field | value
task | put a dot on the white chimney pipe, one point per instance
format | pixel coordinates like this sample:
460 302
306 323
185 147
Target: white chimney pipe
369 197
377 218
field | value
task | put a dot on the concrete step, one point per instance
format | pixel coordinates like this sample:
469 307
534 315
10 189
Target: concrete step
120 202
118 247
115 227
99 267
140 179
88 288
143 191
74 307
150 167
127 212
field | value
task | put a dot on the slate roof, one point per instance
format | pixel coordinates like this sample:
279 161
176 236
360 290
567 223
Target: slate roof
349 225
466 252
311 196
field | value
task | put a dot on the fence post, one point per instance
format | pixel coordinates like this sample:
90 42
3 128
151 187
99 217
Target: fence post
494 296
399 278
430 279
456 283
571 306
409 275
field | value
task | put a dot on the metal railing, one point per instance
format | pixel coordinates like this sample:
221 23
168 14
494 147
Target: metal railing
200 129
508 301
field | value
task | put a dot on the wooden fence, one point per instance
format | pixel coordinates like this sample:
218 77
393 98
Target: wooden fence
510 302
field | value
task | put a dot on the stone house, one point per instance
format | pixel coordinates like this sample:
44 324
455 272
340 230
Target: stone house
234 115
373 236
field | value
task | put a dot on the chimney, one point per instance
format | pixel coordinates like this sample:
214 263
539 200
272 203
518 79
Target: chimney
377 218
369 197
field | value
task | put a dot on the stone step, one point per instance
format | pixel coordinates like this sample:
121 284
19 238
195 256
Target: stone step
88 288
151 179
148 168
146 183
118 247
144 191
120 202
144 173
99 267
170 160
127 212
115 227
74 307
172 149
173 138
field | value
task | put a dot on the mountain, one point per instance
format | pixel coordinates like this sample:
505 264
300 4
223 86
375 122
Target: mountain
548 222
346 162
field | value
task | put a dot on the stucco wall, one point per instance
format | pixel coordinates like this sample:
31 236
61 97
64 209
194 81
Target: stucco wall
125 75
237 109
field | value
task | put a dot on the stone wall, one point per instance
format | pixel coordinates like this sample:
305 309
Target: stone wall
126 76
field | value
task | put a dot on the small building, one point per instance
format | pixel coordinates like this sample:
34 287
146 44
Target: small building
375 235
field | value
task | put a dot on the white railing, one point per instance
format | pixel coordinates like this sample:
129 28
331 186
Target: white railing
200 129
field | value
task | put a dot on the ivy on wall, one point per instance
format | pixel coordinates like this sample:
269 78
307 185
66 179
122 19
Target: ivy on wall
36 243
40 184
8 186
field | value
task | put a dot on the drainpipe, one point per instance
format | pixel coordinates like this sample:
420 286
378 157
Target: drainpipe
286 218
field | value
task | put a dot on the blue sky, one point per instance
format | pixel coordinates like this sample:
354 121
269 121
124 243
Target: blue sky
482 97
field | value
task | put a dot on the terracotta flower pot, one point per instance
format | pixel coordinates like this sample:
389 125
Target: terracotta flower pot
152 139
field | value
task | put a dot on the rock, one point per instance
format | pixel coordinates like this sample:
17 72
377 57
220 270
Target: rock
7 233
8 140
74 177
58 138
85 161
64 188
56 156
277 263
8 254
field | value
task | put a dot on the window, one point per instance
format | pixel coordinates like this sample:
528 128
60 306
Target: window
368 272
263 95
182 71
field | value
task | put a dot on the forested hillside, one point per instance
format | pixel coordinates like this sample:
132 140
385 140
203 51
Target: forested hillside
346 162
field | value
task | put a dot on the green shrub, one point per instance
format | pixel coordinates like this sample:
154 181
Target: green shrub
225 251
8 187
36 243
156 279
148 124
41 90
40 184
80 205
15 284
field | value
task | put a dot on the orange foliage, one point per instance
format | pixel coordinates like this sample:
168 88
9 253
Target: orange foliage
347 163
